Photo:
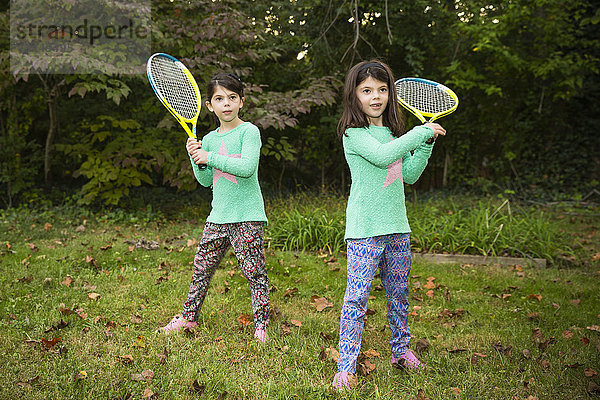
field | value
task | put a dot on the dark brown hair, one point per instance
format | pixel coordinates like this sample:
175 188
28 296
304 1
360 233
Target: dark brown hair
353 116
228 81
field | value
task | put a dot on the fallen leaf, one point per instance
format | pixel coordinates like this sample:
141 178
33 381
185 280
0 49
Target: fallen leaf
290 292
164 356
567 334
67 281
526 353
537 297
545 364
147 394
422 346
456 390
26 279
593 328
590 373
245 319
429 293
136 319
593 388
320 303
93 296
198 388
585 341
429 285
329 354
148 374
50 343
127 358
372 353
421 395
80 375
296 322
137 377
575 302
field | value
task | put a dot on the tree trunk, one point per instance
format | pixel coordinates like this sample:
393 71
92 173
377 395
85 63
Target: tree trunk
52 94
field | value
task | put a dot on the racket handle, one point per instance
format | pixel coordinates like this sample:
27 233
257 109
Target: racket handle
201 166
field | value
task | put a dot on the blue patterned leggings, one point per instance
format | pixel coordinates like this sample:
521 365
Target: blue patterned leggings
391 253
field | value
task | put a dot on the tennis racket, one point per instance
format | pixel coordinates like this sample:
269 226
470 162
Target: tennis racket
425 98
176 89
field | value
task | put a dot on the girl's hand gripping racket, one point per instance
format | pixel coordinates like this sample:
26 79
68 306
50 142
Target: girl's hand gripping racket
176 89
425 98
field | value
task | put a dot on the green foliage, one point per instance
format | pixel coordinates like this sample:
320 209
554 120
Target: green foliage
114 159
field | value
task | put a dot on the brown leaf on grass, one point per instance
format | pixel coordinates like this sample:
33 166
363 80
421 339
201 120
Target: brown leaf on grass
567 334
429 285
590 373
585 340
593 328
545 364
574 365
422 346
593 388
28 383
526 353
148 394
136 319
33 247
25 279
365 367
164 356
429 294
534 316
532 397
198 388
575 302
148 374
456 391
244 319
127 358
421 395
500 348
80 375
67 281
290 292
285 329
329 354
532 296
476 356
231 273
59 325
370 311
137 377
295 322
320 303
104 248
456 350
372 353
48 344
544 345
161 279
94 296
506 296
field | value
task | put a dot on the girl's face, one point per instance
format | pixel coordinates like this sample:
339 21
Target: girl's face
225 104
373 98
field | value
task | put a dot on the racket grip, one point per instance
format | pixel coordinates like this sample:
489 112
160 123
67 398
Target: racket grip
202 166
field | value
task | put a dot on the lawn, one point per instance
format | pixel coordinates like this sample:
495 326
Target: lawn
82 294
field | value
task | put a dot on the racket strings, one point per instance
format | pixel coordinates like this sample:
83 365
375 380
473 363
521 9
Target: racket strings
424 97
174 86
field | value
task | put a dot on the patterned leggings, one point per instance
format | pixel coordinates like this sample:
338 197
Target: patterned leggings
246 238
391 253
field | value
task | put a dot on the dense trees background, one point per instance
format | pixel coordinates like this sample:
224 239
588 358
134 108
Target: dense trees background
526 73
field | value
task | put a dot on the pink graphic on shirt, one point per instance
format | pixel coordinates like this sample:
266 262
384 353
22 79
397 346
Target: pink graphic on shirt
220 174
394 172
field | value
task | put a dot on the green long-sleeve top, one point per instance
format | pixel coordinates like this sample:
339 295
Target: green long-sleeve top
379 166
232 170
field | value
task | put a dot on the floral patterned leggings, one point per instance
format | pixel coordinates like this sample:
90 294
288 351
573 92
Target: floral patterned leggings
246 238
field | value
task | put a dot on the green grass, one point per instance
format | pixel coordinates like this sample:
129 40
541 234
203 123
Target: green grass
141 290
